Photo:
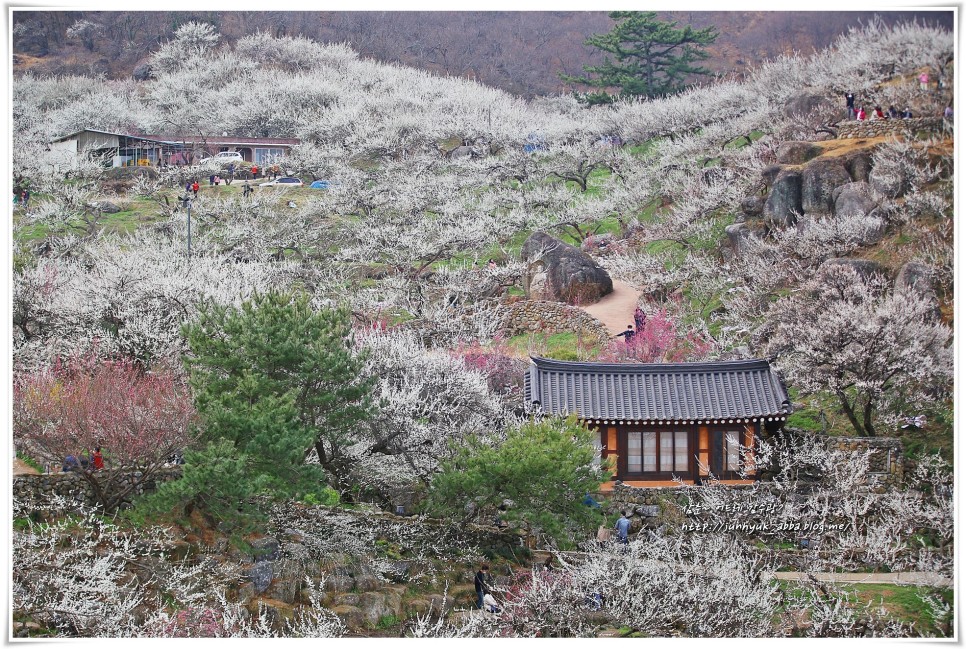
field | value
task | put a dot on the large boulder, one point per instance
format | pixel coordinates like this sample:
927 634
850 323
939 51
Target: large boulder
918 278
753 205
796 153
559 272
738 234
770 174
143 72
819 179
784 201
865 269
107 207
261 576
854 198
461 152
859 165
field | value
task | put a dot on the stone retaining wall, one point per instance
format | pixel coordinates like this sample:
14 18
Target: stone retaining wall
901 128
886 461
533 316
38 490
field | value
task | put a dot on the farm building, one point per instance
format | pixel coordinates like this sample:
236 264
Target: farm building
150 150
664 421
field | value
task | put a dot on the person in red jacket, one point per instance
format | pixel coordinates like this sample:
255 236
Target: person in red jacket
194 187
254 171
98 459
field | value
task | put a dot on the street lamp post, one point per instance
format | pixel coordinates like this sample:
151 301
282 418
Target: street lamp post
187 204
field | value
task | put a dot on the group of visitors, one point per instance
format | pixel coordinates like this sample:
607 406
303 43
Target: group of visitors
94 461
22 197
859 113
640 320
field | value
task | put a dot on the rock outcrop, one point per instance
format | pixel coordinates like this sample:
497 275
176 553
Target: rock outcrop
784 202
819 179
854 198
865 269
796 153
560 272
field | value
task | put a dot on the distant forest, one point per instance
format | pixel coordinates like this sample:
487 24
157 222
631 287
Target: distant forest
520 52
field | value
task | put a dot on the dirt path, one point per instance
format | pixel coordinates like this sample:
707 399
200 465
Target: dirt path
898 578
22 468
616 310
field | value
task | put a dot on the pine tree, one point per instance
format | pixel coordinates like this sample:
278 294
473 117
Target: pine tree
544 467
652 58
278 378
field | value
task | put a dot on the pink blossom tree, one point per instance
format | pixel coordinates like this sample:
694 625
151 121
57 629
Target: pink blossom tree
656 339
139 418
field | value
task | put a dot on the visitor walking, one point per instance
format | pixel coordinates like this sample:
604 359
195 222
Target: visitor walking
481 585
627 334
254 171
25 194
623 526
640 319
924 81
195 187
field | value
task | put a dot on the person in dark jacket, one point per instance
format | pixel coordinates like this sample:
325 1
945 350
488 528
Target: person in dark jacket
481 584
627 334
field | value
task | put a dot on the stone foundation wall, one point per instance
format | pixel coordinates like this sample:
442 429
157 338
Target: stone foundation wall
39 490
532 316
886 461
901 128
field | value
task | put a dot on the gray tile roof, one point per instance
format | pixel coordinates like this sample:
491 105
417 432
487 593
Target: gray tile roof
747 389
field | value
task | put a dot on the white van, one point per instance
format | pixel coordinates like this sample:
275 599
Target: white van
224 156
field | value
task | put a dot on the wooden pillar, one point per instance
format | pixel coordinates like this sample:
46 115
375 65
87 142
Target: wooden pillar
750 440
608 439
704 450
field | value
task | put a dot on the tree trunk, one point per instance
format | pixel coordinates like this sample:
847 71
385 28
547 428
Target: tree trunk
850 413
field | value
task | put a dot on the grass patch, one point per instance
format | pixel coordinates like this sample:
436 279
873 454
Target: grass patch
559 346
903 603
31 462
644 148
818 412
388 621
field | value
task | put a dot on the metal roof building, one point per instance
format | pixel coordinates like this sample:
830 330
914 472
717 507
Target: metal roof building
129 149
